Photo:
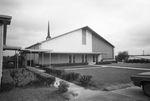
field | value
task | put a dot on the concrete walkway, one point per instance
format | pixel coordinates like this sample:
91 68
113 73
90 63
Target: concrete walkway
97 95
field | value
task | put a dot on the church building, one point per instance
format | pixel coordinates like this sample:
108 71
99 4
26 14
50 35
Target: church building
80 46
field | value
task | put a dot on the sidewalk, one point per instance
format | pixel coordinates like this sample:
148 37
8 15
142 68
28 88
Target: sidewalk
96 95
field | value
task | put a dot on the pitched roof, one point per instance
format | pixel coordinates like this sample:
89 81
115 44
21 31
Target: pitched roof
86 27
96 34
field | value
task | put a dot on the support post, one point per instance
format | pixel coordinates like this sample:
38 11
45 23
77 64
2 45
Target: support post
30 58
1 50
49 60
17 60
25 59
42 59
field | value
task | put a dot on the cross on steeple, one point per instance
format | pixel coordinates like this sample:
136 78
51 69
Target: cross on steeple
48 33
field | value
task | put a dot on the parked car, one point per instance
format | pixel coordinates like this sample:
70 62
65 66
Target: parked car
142 80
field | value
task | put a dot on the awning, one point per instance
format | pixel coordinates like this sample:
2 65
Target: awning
53 52
36 50
32 51
11 48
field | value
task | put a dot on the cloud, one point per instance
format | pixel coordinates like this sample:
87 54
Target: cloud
140 35
8 6
124 23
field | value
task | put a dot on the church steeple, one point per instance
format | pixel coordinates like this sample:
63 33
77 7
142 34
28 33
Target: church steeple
48 33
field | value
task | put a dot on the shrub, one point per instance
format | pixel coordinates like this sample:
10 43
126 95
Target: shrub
45 80
70 76
54 72
63 87
58 73
22 77
138 61
85 80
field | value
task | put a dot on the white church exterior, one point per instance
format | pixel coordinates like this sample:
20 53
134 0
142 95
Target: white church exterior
82 45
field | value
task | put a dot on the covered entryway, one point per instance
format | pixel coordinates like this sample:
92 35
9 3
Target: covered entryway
32 55
15 61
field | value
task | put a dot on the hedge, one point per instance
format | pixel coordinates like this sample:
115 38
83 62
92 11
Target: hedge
138 61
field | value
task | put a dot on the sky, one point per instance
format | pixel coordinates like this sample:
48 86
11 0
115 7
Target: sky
124 23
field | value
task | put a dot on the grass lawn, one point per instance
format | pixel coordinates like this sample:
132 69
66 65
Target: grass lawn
31 94
108 75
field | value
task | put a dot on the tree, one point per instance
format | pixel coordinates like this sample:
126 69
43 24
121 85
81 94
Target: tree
122 56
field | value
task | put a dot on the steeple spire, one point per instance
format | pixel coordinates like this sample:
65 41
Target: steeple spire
48 33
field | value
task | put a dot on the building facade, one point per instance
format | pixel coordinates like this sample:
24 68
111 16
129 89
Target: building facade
82 45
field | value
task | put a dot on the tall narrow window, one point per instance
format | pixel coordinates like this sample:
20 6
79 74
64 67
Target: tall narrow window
83 36
82 58
70 59
96 58
93 58
86 58
73 58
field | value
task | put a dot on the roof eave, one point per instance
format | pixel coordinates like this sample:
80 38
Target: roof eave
33 45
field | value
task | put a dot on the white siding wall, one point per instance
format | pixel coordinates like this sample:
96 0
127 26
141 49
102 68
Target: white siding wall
71 42
44 59
55 59
62 58
99 45
78 58
90 59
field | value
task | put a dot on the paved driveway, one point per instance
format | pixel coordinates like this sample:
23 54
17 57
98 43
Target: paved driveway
134 92
128 94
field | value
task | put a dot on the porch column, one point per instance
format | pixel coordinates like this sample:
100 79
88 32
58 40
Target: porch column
1 50
25 59
50 59
30 59
38 58
42 59
17 59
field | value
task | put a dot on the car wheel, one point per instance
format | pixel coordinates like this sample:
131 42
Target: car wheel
146 88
